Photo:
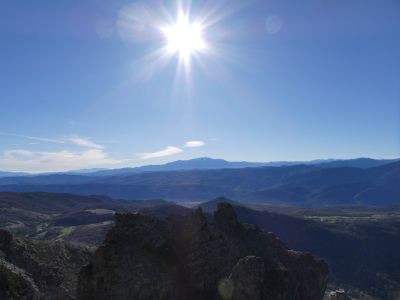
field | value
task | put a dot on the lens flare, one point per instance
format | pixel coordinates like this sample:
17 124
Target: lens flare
184 38
185 34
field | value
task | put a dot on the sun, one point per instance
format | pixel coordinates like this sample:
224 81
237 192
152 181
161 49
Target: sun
184 38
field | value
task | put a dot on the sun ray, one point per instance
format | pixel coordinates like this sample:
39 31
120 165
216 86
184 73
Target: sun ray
190 37
184 38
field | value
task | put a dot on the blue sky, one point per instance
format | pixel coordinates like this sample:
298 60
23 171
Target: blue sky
88 83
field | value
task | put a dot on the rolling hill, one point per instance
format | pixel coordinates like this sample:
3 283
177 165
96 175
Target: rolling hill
304 185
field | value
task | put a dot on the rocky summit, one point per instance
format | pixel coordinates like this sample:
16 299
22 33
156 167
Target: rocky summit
198 257
33 270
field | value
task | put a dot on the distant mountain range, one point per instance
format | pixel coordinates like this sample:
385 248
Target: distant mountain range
322 184
11 174
206 163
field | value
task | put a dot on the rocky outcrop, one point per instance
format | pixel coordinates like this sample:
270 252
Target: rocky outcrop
38 269
247 279
16 284
195 257
339 295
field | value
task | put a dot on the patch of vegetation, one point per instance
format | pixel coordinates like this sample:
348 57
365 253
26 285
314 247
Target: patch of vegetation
100 211
66 232
105 223
9 281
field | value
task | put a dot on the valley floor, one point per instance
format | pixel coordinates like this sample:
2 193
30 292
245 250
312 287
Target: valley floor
359 244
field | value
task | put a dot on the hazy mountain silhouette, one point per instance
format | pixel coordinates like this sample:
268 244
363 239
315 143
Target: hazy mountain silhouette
294 185
11 174
205 163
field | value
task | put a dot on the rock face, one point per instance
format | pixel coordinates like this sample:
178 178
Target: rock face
15 283
193 257
247 278
38 269
339 295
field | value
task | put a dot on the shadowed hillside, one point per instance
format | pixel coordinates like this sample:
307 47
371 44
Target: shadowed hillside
359 244
78 219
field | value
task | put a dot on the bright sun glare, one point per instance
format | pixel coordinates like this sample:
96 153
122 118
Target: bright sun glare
183 37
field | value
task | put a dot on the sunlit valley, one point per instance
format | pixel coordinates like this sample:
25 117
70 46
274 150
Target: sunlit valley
205 150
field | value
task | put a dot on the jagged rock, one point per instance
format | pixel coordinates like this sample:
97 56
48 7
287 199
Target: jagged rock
225 215
16 284
38 269
193 257
339 295
248 279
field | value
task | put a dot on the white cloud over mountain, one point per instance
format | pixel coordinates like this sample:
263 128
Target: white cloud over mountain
170 150
64 159
84 142
58 161
193 144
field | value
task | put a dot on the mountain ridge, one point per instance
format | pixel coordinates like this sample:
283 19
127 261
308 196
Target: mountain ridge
299 185
207 163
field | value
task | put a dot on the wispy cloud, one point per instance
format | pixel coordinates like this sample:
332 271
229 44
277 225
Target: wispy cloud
193 144
74 139
18 154
170 150
84 142
35 162
34 138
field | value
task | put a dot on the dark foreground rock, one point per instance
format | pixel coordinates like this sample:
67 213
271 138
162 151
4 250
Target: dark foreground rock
38 269
191 257
15 283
